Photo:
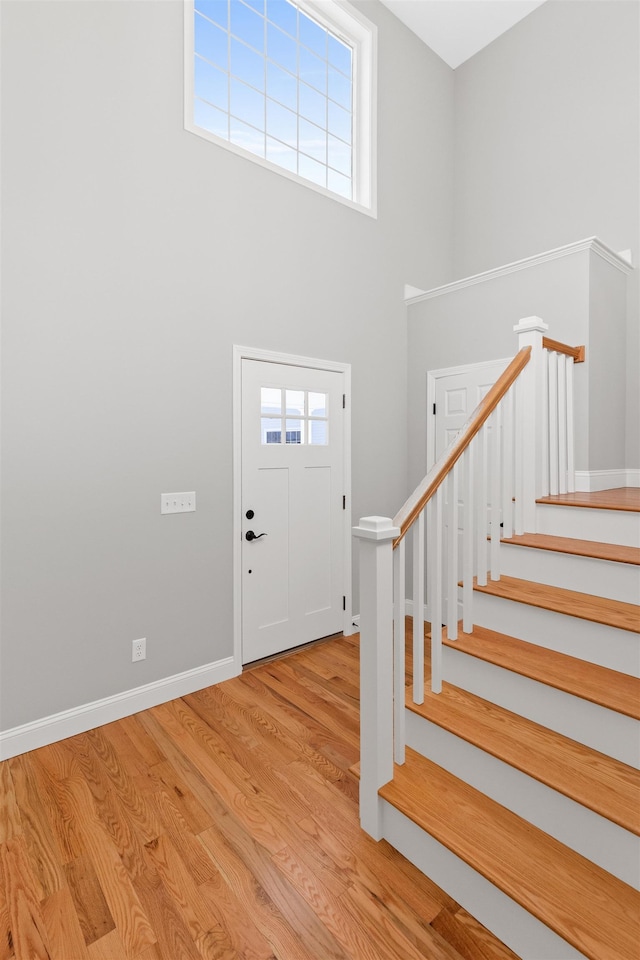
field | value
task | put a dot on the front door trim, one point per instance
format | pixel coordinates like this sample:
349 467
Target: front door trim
271 356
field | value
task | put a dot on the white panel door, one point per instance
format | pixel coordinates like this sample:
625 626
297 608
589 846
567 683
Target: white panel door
292 506
457 396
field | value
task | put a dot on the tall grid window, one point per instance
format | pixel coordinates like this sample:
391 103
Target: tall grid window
275 79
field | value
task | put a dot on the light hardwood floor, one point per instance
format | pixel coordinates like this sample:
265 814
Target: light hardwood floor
222 825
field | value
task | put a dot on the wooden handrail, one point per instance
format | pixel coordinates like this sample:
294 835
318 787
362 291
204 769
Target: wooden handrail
576 352
414 505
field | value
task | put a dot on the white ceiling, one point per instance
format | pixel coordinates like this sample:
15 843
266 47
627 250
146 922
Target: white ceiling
456 29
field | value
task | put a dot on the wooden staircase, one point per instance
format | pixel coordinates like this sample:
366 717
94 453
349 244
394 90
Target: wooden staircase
520 793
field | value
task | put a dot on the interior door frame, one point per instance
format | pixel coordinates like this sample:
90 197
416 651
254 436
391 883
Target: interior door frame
272 356
432 377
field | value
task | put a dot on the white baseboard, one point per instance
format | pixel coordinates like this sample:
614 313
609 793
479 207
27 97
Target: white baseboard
68 723
590 481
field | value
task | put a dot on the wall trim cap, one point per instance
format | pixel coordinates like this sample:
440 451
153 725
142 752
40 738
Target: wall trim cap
67 723
591 243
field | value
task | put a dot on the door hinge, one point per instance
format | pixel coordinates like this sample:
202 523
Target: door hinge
434 409
344 503
344 603
344 401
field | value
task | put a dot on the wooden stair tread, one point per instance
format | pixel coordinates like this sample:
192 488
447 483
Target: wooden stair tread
588 907
620 498
579 548
614 613
606 786
589 681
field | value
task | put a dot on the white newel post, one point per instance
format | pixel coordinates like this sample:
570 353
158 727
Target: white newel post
532 423
376 535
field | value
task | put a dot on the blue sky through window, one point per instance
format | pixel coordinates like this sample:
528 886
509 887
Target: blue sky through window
285 82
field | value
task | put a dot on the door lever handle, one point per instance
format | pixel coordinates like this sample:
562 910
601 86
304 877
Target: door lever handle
250 535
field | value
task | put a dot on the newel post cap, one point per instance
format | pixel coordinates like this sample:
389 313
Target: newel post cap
376 528
527 324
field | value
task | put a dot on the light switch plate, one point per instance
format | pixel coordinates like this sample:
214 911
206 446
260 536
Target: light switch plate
178 502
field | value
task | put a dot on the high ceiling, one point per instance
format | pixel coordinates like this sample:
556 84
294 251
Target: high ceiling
456 29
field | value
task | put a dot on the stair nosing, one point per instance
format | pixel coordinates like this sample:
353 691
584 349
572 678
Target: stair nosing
455 824
584 606
524 665
591 549
584 760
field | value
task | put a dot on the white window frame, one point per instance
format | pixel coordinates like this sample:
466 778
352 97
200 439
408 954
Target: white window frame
348 24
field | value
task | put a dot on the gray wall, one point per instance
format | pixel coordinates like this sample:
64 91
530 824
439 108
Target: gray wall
546 148
475 324
135 255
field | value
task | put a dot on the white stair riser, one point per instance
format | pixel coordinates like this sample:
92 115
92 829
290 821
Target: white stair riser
588 723
511 923
594 642
604 526
601 841
602 578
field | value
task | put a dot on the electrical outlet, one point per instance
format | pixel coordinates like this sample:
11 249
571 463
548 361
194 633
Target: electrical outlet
178 502
138 649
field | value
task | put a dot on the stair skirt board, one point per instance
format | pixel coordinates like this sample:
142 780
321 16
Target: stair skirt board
585 523
602 578
589 723
510 922
595 642
605 843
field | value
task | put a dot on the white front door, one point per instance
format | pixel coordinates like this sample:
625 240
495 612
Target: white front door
292 506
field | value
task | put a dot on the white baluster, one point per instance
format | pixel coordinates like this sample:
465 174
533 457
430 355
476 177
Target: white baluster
454 574
562 423
554 468
436 612
494 528
507 465
376 535
468 540
399 665
483 563
418 609
571 468
518 459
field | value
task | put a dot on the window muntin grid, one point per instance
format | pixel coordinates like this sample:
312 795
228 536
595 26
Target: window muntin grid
304 415
271 79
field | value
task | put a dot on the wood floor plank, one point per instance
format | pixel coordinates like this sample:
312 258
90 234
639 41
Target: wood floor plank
10 823
178 831
62 925
44 851
184 893
244 937
124 905
91 908
56 809
469 937
109 947
286 939
614 613
19 890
